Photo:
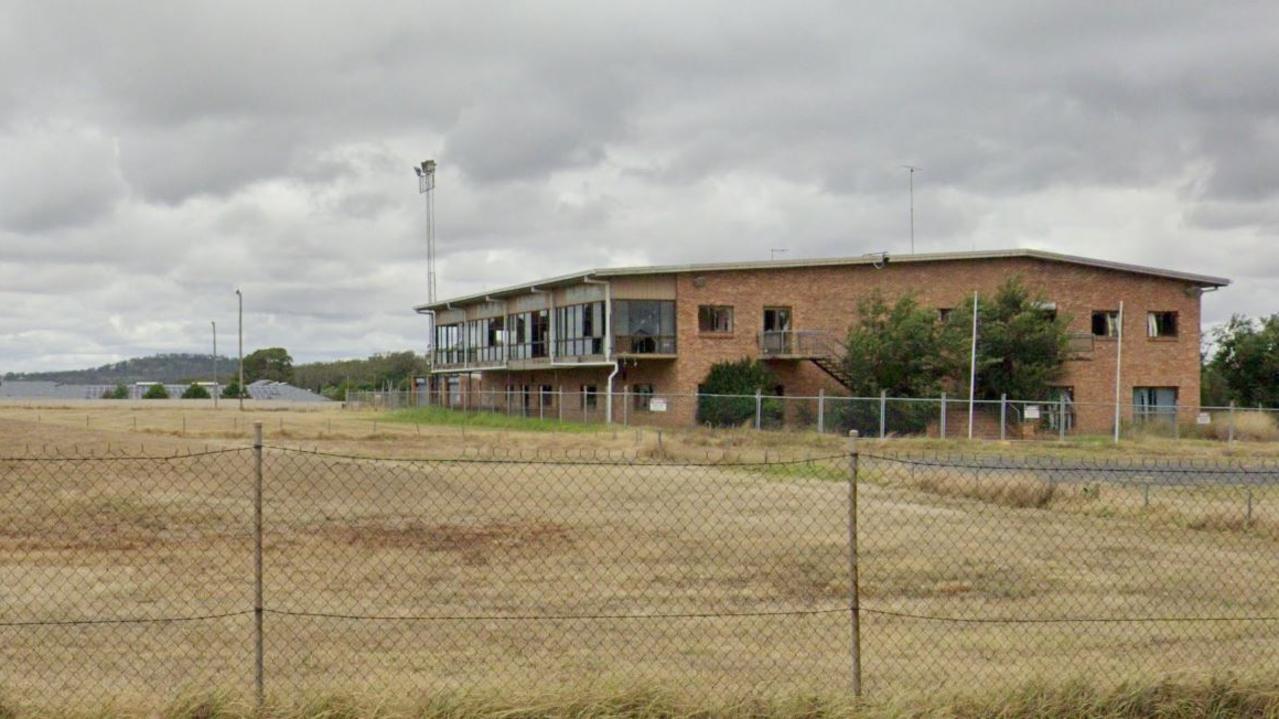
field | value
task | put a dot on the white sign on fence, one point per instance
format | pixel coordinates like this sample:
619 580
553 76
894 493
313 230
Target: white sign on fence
657 404
1203 418
1032 411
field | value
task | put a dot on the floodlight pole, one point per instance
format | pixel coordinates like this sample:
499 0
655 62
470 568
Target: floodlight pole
215 364
426 186
239 390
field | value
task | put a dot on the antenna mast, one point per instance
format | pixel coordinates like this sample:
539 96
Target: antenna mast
912 170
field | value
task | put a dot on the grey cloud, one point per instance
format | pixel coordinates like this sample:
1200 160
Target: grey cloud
159 156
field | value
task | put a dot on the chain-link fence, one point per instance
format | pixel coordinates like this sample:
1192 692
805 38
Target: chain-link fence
137 577
1058 418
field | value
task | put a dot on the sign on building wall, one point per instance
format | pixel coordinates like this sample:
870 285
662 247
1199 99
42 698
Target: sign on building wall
657 404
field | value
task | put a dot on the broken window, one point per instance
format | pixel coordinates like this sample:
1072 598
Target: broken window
715 318
1161 324
1105 323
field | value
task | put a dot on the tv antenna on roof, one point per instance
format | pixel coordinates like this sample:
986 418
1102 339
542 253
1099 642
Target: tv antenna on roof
912 169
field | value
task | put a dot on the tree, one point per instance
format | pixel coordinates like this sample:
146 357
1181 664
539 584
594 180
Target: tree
156 391
743 377
1021 343
232 390
120 391
272 363
902 350
195 391
1247 359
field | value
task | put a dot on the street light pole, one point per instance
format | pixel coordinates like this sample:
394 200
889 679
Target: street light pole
239 390
215 364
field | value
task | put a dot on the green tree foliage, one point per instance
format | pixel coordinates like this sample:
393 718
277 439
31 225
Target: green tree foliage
156 391
232 390
120 391
394 369
272 363
195 391
901 349
743 377
1021 345
1247 360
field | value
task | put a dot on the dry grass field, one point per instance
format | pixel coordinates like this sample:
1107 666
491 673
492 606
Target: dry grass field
508 573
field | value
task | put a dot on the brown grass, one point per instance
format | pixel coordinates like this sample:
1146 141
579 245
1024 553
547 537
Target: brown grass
512 539
1223 698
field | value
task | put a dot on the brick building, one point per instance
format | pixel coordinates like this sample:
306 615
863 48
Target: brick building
533 343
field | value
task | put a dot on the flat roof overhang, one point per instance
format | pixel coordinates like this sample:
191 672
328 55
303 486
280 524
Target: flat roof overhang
1198 280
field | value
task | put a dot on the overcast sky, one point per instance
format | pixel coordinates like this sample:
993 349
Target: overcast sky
154 156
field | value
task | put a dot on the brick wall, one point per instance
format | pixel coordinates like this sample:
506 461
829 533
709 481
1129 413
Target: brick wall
826 298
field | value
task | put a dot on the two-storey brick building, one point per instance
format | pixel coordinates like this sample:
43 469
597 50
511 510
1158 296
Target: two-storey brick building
656 331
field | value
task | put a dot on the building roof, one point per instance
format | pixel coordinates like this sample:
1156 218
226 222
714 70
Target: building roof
875 258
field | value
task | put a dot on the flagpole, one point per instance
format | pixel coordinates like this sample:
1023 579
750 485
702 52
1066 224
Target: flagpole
972 369
1119 357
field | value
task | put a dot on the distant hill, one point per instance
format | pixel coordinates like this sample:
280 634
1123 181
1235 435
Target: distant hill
171 368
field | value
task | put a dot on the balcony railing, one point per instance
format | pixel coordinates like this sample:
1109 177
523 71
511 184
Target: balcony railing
795 343
644 344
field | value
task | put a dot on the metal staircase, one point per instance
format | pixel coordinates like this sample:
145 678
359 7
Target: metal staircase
821 348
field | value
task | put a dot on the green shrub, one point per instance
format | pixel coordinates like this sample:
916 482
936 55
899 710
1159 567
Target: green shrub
195 391
120 391
741 378
156 391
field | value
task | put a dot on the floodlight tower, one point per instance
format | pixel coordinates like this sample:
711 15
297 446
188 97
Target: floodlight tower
426 186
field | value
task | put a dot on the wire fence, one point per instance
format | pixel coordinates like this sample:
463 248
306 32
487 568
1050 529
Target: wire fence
943 417
301 573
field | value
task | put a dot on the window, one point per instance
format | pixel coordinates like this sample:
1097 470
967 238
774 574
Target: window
1161 324
1047 309
644 326
579 330
943 313
527 332
484 340
776 319
1150 403
1105 323
548 396
776 338
589 396
448 344
1051 413
643 393
715 318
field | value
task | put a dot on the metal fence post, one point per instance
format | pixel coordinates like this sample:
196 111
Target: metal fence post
759 408
626 405
821 411
1003 417
941 426
1061 418
258 667
883 413
1230 436
854 605
559 405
